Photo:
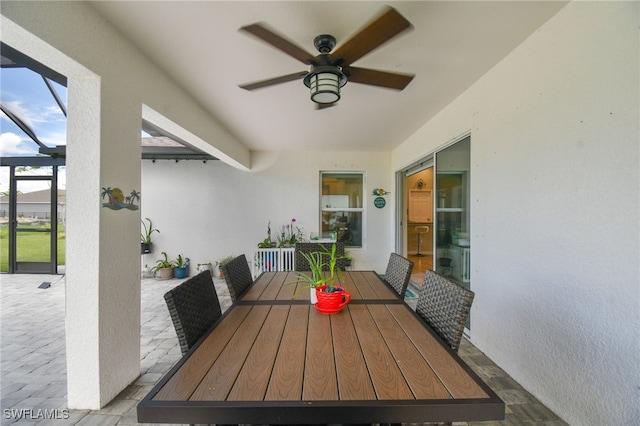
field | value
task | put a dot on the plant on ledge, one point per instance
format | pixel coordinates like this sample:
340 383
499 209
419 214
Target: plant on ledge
267 242
145 237
289 235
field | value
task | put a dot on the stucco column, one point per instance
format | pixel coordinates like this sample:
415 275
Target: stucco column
103 255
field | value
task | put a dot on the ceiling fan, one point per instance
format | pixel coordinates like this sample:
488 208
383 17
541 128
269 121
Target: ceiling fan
330 71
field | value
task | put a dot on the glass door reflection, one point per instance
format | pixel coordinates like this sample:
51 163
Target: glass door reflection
453 242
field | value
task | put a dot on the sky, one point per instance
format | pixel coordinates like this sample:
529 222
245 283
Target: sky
26 95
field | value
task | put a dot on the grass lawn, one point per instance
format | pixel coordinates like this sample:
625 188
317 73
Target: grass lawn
32 246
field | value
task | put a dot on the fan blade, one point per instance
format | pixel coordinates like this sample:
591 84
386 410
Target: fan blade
279 43
276 80
377 78
381 30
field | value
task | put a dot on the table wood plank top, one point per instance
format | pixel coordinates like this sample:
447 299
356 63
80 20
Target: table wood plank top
273 358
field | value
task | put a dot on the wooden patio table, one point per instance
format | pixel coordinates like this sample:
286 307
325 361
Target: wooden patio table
275 359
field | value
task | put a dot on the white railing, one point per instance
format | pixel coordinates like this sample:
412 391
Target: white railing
273 260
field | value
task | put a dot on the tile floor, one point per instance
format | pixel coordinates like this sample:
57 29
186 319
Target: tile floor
33 369
420 265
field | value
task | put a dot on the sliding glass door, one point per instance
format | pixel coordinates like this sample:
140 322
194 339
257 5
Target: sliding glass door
453 233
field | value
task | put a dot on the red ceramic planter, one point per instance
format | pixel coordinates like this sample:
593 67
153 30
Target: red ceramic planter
331 303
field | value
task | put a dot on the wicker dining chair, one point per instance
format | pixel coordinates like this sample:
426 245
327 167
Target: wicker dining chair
444 305
194 307
398 273
302 264
237 276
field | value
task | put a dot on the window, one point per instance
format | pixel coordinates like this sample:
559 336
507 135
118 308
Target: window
341 211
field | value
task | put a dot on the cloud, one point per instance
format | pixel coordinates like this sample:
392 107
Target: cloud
47 122
14 145
54 138
4 179
24 114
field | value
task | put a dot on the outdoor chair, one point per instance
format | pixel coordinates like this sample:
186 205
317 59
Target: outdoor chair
301 262
444 305
194 307
237 276
398 273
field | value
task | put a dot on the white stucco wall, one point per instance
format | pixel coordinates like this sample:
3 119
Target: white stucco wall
209 211
555 210
109 82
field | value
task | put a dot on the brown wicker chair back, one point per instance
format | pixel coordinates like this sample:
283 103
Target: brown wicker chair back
237 276
194 307
444 306
303 265
398 273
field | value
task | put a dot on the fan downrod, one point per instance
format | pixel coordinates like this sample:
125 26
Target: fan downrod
324 43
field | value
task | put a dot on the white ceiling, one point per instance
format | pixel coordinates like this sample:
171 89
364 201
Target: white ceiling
452 44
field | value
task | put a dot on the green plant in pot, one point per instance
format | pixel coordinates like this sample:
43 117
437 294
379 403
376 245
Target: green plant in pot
164 268
326 292
222 262
201 267
146 246
445 258
182 266
267 242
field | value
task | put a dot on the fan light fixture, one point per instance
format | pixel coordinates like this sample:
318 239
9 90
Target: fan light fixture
325 83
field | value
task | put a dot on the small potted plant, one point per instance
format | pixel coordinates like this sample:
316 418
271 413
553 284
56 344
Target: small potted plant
147 272
146 246
445 259
164 268
222 262
201 267
290 234
182 267
267 242
326 293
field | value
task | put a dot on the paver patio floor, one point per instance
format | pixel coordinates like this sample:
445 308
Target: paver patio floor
33 358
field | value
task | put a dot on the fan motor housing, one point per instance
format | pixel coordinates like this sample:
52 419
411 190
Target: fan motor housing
324 43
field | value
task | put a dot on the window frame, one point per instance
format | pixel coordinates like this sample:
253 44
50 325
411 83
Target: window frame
363 202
